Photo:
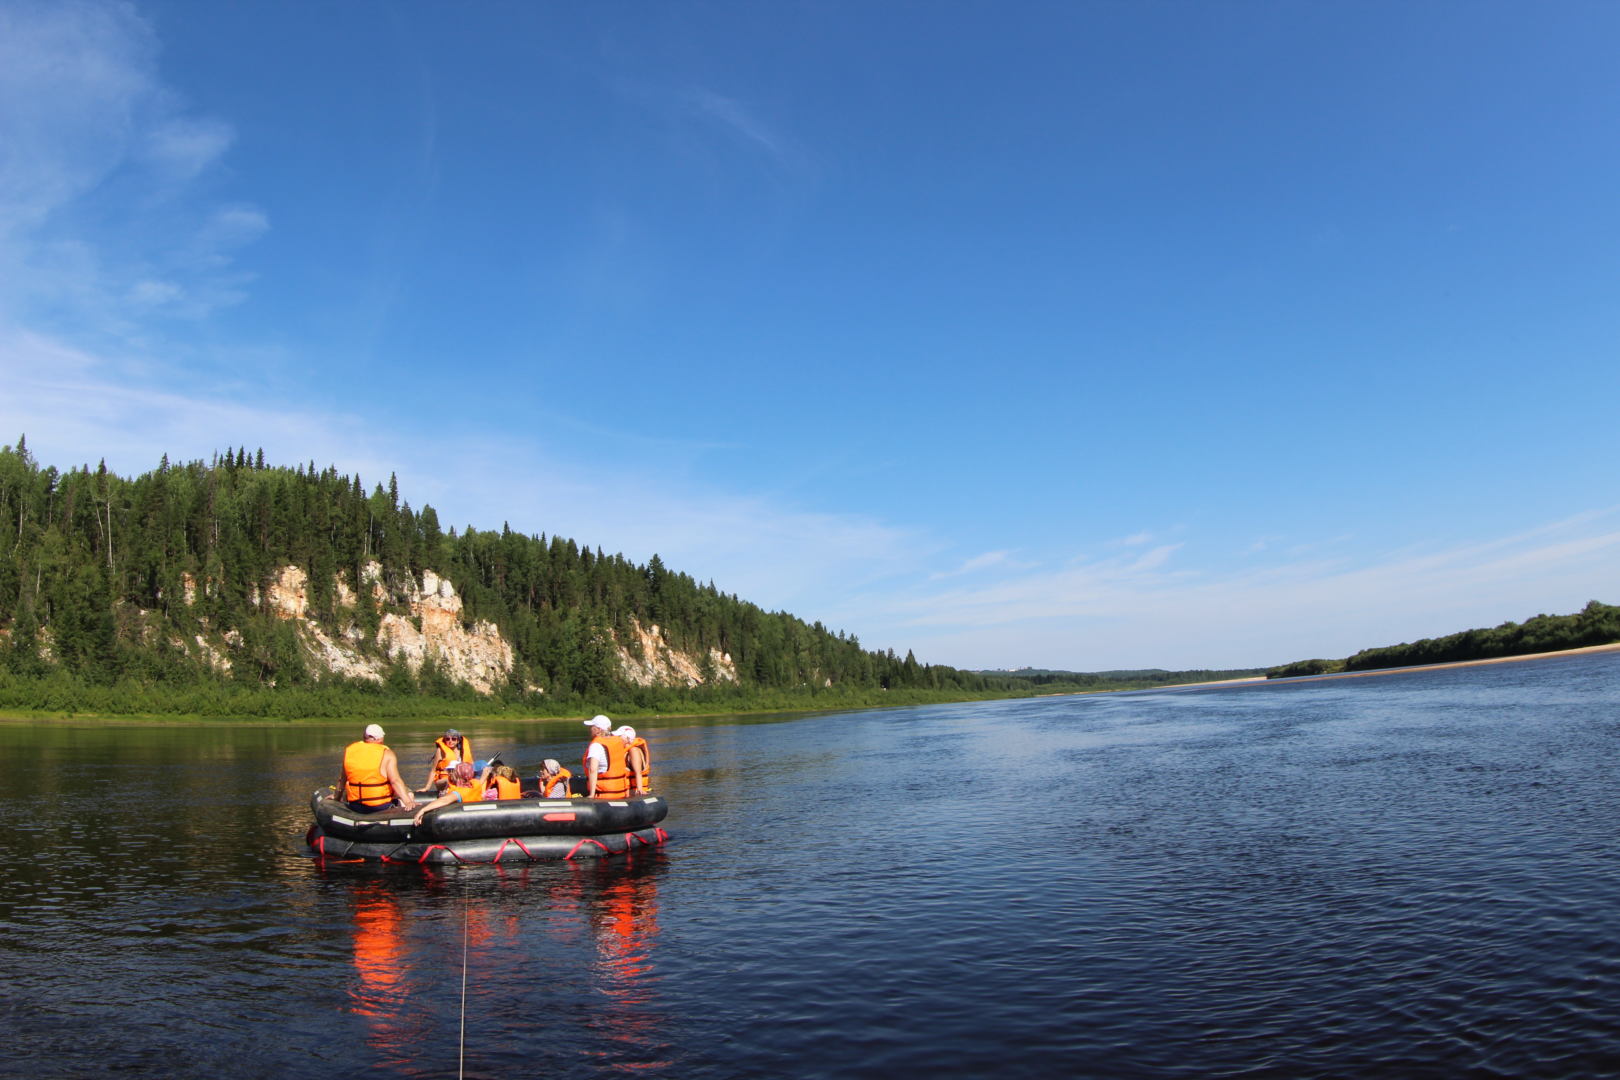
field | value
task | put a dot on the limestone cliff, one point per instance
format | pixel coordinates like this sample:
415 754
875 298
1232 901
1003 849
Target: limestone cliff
418 621
647 660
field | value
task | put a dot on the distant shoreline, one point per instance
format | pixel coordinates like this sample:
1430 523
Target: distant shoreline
1585 649
23 716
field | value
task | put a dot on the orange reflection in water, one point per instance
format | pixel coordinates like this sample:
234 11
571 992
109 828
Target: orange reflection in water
627 933
381 990
622 912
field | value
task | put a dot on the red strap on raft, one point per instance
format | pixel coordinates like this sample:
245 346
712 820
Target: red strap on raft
440 847
512 840
582 843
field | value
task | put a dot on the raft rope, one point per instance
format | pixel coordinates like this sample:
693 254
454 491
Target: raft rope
466 916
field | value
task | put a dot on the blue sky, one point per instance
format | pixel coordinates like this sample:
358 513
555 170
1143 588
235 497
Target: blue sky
1081 335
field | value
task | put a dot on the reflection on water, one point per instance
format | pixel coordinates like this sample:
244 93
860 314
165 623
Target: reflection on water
381 989
414 934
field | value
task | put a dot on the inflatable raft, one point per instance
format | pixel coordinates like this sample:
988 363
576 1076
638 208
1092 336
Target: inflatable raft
494 831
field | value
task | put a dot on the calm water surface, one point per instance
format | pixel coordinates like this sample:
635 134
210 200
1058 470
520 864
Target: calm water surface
1411 874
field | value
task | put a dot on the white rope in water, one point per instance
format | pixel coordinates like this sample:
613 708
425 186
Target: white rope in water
466 915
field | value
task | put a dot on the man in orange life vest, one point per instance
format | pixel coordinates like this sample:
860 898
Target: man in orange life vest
607 775
371 779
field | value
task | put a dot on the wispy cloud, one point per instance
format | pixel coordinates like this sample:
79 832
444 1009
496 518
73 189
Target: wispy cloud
977 563
733 116
90 134
1170 608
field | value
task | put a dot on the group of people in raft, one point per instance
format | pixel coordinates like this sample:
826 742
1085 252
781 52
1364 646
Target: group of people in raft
617 764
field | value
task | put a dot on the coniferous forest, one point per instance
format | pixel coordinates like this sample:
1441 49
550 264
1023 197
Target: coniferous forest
94 566
1595 624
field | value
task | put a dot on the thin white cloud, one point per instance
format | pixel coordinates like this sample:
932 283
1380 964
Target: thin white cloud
72 76
88 133
731 115
975 564
181 148
1170 612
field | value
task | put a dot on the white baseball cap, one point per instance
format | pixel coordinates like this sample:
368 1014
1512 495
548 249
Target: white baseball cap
625 731
374 731
599 721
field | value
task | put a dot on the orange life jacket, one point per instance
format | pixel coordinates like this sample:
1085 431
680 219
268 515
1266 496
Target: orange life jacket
638 743
615 782
558 788
445 754
363 779
504 788
473 792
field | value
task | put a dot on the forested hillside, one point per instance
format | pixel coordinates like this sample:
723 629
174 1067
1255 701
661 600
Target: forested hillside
1595 624
147 594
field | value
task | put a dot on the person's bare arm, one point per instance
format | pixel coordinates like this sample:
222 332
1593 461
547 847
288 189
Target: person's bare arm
443 800
390 766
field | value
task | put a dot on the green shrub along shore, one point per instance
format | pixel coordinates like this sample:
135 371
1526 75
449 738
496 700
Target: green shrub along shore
1595 624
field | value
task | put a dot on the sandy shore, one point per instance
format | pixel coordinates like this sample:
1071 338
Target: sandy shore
1403 670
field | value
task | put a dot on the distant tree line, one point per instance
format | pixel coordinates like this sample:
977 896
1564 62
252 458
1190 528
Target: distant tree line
1595 624
95 570
1136 679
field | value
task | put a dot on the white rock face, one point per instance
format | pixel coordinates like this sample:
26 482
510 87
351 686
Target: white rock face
656 664
473 654
476 655
288 595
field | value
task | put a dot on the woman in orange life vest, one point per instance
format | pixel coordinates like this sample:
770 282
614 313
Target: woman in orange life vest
370 778
452 747
637 761
462 785
554 780
606 774
503 783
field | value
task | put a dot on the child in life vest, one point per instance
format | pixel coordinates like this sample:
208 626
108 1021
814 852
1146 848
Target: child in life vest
554 780
462 786
503 783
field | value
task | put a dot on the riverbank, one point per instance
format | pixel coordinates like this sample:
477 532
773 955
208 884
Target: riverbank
1583 651
465 718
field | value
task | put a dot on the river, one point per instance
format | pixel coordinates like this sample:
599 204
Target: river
1409 874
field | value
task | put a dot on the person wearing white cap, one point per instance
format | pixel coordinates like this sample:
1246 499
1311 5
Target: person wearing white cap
606 774
636 760
370 778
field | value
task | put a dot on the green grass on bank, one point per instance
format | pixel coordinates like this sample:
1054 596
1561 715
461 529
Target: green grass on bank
62 696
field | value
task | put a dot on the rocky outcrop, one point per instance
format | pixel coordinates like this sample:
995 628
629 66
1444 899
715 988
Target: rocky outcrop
417 623
473 654
647 660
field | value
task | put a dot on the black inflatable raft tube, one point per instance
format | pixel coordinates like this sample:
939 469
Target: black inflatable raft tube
488 849
496 830
491 818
